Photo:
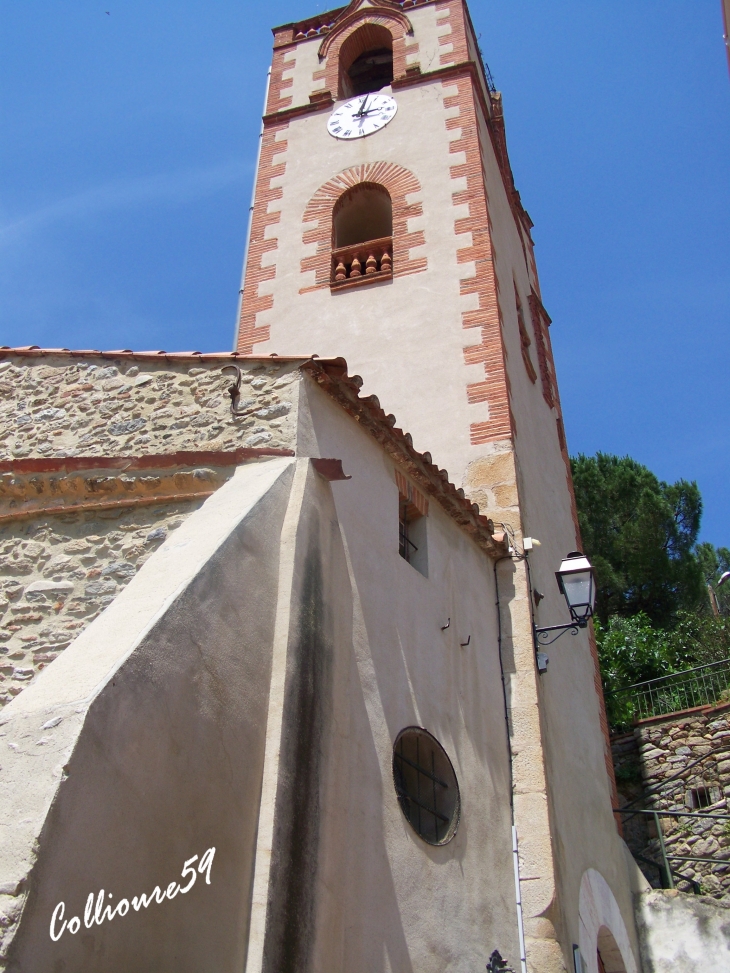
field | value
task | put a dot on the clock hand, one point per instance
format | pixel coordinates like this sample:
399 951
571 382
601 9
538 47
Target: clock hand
362 107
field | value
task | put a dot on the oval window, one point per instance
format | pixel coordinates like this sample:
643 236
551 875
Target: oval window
426 785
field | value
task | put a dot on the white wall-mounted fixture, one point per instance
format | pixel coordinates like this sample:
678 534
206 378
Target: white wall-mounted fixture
576 579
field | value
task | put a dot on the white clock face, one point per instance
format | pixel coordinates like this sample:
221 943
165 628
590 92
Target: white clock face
361 116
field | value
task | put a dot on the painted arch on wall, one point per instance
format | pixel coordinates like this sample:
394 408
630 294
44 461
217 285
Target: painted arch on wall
602 928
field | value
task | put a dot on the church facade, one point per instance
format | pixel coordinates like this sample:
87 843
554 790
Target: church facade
273 694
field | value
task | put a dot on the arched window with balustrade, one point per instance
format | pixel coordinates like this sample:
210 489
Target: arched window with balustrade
362 235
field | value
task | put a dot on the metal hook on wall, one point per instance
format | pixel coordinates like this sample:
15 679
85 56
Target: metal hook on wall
444 627
464 644
234 390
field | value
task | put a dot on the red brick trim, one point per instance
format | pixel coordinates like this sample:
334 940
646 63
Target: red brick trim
340 48
451 12
279 98
524 339
411 494
400 184
490 351
150 461
333 379
540 323
253 303
20 513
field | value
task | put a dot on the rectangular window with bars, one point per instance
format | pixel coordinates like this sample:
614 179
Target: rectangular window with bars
412 524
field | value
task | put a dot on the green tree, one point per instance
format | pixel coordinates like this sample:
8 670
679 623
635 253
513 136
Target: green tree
698 638
640 534
631 650
714 562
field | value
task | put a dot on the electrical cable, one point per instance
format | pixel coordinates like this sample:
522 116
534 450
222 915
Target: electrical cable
515 851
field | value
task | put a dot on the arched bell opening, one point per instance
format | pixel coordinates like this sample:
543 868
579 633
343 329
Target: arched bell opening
366 61
362 234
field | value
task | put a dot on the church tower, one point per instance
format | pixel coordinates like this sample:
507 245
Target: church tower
386 229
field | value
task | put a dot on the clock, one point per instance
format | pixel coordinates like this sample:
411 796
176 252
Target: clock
361 116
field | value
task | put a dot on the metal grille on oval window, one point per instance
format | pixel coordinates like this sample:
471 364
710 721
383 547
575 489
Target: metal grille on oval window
426 785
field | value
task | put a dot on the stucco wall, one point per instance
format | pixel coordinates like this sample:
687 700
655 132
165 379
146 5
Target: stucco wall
142 746
569 748
392 901
682 933
407 338
151 735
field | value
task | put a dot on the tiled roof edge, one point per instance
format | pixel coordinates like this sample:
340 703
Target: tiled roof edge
35 350
332 377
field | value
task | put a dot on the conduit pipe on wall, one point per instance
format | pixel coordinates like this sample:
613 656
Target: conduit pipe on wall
515 849
250 215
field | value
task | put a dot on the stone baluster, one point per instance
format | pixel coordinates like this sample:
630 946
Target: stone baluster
371 264
385 263
340 271
355 268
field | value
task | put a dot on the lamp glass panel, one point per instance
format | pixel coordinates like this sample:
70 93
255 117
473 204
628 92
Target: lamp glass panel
578 593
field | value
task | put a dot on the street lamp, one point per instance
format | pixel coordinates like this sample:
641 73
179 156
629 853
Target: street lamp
576 579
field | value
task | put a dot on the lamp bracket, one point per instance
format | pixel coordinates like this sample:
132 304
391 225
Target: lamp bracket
543 635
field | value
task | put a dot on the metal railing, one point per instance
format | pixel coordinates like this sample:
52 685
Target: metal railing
668 874
700 686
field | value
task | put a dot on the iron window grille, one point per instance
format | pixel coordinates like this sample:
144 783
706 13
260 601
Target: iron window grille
426 785
406 546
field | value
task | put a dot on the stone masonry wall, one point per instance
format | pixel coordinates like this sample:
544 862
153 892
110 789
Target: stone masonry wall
58 574
73 535
680 762
68 404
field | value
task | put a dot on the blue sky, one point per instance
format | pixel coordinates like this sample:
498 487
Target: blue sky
127 154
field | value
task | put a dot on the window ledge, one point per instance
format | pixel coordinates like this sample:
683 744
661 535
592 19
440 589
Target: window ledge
371 260
363 279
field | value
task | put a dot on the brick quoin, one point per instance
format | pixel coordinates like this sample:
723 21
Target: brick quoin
253 303
278 98
490 351
452 14
317 219
540 324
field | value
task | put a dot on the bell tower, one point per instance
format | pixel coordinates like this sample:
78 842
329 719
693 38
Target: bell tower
386 229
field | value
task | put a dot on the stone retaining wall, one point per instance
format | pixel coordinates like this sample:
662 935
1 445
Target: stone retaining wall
680 762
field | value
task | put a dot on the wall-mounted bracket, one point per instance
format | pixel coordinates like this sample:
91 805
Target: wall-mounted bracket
545 636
